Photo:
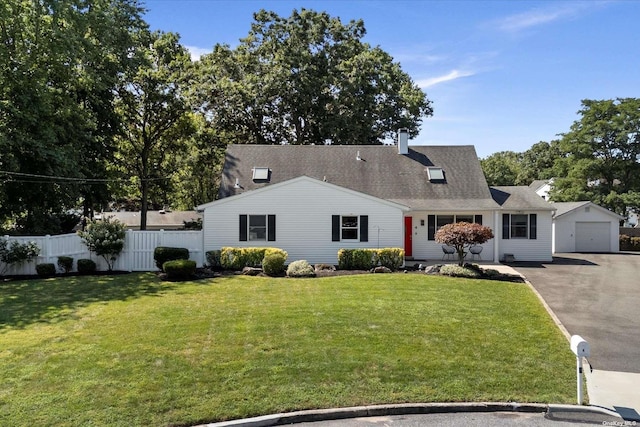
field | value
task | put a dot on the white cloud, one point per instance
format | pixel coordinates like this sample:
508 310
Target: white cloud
197 52
537 17
453 75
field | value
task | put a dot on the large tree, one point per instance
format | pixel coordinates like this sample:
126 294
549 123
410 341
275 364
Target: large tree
60 61
601 155
155 115
309 79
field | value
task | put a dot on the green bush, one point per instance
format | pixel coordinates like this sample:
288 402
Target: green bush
392 258
46 270
65 263
179 269
300 269
455 270
238 258
366 259
273 264
162 254
214 259
628 243
86 266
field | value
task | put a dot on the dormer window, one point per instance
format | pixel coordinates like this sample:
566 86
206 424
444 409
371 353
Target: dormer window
435 174
261 174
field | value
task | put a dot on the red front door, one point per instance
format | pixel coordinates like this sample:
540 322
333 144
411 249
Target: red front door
408 236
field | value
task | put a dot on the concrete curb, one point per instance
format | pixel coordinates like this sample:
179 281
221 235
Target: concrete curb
402 409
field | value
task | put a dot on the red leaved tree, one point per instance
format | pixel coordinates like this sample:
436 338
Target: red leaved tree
463 235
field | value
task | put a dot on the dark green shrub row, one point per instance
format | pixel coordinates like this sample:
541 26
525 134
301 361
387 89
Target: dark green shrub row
628 243
179 269
86 266
366 259
162 254
238 258
46 270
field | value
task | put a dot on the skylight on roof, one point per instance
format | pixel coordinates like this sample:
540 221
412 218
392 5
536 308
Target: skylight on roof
435 174
260 174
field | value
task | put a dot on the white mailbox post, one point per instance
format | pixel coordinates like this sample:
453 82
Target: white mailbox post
581 349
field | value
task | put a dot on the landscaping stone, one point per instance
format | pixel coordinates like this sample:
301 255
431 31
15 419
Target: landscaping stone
251 271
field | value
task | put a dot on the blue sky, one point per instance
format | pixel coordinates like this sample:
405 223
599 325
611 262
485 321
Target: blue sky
502 75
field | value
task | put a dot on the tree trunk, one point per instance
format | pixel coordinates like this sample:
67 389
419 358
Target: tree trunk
144 190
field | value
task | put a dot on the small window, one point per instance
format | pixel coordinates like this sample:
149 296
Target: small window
464 218
435 174
349 228
260 174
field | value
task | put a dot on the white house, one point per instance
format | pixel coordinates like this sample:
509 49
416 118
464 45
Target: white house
312 200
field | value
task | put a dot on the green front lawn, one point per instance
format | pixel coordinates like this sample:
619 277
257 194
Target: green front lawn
132 350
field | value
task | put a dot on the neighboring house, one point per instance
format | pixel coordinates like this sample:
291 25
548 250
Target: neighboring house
585 227
156 220
312 200
542 187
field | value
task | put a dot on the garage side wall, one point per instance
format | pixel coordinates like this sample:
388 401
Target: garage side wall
303 216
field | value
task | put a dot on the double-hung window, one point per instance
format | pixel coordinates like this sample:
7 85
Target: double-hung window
353 228
257 228
520 226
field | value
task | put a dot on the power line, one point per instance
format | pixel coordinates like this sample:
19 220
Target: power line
53 179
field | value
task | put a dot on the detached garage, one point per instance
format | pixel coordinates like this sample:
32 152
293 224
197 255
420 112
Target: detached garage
585 227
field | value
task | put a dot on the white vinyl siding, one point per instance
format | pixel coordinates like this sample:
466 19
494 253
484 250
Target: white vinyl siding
304 208
527 249
425 249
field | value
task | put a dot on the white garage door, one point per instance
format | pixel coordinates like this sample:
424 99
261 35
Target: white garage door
593 237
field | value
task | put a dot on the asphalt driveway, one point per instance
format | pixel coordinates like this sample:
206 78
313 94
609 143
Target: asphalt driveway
596 296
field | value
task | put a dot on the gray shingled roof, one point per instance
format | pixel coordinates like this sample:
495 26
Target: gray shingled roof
520 197
381 172
538 183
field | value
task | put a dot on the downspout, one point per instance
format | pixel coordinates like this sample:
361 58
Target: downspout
496 237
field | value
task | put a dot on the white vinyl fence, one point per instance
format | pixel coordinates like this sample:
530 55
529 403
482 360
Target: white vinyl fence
137 254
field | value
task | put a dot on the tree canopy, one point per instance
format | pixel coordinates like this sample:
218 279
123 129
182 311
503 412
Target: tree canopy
598 159
309 79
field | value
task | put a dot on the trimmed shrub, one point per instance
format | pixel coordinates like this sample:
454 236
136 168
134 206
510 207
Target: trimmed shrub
460 271
392 258
16 253
273 264
238 258
300 269
635 243
65 263
162 254
179 269
46 270
214 259
366 259
86 266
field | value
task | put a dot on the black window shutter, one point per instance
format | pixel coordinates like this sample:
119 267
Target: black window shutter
271 228
335 228
364 228
243 228
506 226
431 227
477 219
533 226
